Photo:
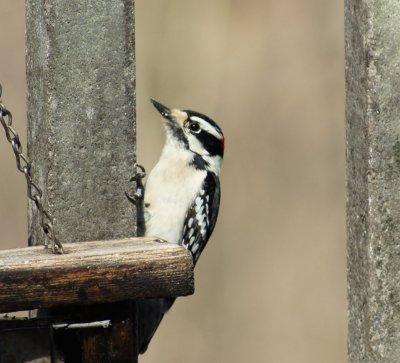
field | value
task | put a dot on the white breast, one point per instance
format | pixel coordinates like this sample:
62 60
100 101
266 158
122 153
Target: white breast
171 188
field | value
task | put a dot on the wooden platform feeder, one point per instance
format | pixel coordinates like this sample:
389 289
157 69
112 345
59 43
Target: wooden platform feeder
82 146
91 291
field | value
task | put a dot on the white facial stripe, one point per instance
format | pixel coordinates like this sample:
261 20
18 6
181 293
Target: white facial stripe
195 145
206 126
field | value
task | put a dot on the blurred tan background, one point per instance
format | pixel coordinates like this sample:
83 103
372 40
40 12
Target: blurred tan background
271 285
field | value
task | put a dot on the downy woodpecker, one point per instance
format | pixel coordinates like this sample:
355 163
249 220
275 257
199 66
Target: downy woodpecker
181 195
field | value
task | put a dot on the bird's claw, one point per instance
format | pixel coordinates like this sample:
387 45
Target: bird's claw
138 195
139 174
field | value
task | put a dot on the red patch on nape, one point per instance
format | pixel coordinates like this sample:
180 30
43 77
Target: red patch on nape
222 139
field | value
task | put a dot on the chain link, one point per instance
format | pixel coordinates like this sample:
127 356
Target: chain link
24 166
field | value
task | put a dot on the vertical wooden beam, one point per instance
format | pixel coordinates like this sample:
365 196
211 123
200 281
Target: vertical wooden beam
373 178
81 123
81 115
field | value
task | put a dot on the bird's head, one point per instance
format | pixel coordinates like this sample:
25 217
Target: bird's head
195 132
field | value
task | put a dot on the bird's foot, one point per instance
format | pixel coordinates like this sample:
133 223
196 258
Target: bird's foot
137 179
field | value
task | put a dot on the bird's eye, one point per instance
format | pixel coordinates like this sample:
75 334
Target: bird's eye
194 127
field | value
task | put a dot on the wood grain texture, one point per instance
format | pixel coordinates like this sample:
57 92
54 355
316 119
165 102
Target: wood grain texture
82 63
372 36
93 272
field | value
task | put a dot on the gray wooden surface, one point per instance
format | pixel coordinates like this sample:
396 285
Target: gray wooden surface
373 179
81 115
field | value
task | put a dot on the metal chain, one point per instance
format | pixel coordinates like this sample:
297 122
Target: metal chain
24 166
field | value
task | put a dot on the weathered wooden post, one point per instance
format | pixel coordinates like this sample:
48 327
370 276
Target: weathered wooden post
81 119
81 124
373 179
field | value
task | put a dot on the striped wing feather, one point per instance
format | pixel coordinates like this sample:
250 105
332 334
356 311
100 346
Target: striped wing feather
201 217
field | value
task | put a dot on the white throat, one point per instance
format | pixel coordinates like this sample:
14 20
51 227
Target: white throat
179 184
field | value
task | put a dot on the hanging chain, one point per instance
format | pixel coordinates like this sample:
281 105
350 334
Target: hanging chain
24 166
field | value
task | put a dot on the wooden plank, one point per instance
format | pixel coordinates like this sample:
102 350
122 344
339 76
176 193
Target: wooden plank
93 272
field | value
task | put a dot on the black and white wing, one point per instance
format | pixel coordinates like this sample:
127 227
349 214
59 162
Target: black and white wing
201 217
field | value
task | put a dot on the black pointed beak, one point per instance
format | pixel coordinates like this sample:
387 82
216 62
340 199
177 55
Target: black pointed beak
173 118
165 111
